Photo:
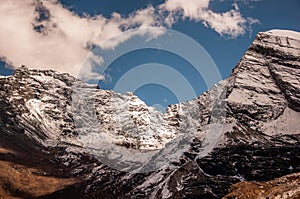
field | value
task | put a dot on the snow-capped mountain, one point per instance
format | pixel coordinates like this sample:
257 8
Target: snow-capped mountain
244 128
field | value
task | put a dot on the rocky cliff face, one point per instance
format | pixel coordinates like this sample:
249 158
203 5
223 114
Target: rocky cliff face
266 82
244 128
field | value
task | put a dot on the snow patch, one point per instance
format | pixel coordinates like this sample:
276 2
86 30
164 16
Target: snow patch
287 123
285 33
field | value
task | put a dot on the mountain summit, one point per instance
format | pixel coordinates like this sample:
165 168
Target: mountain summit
244 128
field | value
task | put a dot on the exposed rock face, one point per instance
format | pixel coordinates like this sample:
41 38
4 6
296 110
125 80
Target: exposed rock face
266 79
249 122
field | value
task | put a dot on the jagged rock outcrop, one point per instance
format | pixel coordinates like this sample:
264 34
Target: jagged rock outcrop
244 128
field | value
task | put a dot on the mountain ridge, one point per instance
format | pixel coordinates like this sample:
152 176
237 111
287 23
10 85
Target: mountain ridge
232 132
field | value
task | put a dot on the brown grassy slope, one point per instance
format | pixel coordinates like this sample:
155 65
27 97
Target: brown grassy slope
284 187
18 180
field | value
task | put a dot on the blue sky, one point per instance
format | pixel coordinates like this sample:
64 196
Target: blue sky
224 50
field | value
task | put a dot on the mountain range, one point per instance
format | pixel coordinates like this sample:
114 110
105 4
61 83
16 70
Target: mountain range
63 138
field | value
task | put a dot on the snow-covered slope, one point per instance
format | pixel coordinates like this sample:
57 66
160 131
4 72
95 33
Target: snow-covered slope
258 92
125 119
66 109
256 109
285 33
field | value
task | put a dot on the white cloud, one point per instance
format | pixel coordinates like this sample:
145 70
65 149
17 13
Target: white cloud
192 9
45 35
230 23
61 40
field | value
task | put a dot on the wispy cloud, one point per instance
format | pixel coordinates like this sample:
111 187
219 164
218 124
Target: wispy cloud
44 34
230 23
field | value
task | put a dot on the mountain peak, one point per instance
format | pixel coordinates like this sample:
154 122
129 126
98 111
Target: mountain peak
284 33
267 80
